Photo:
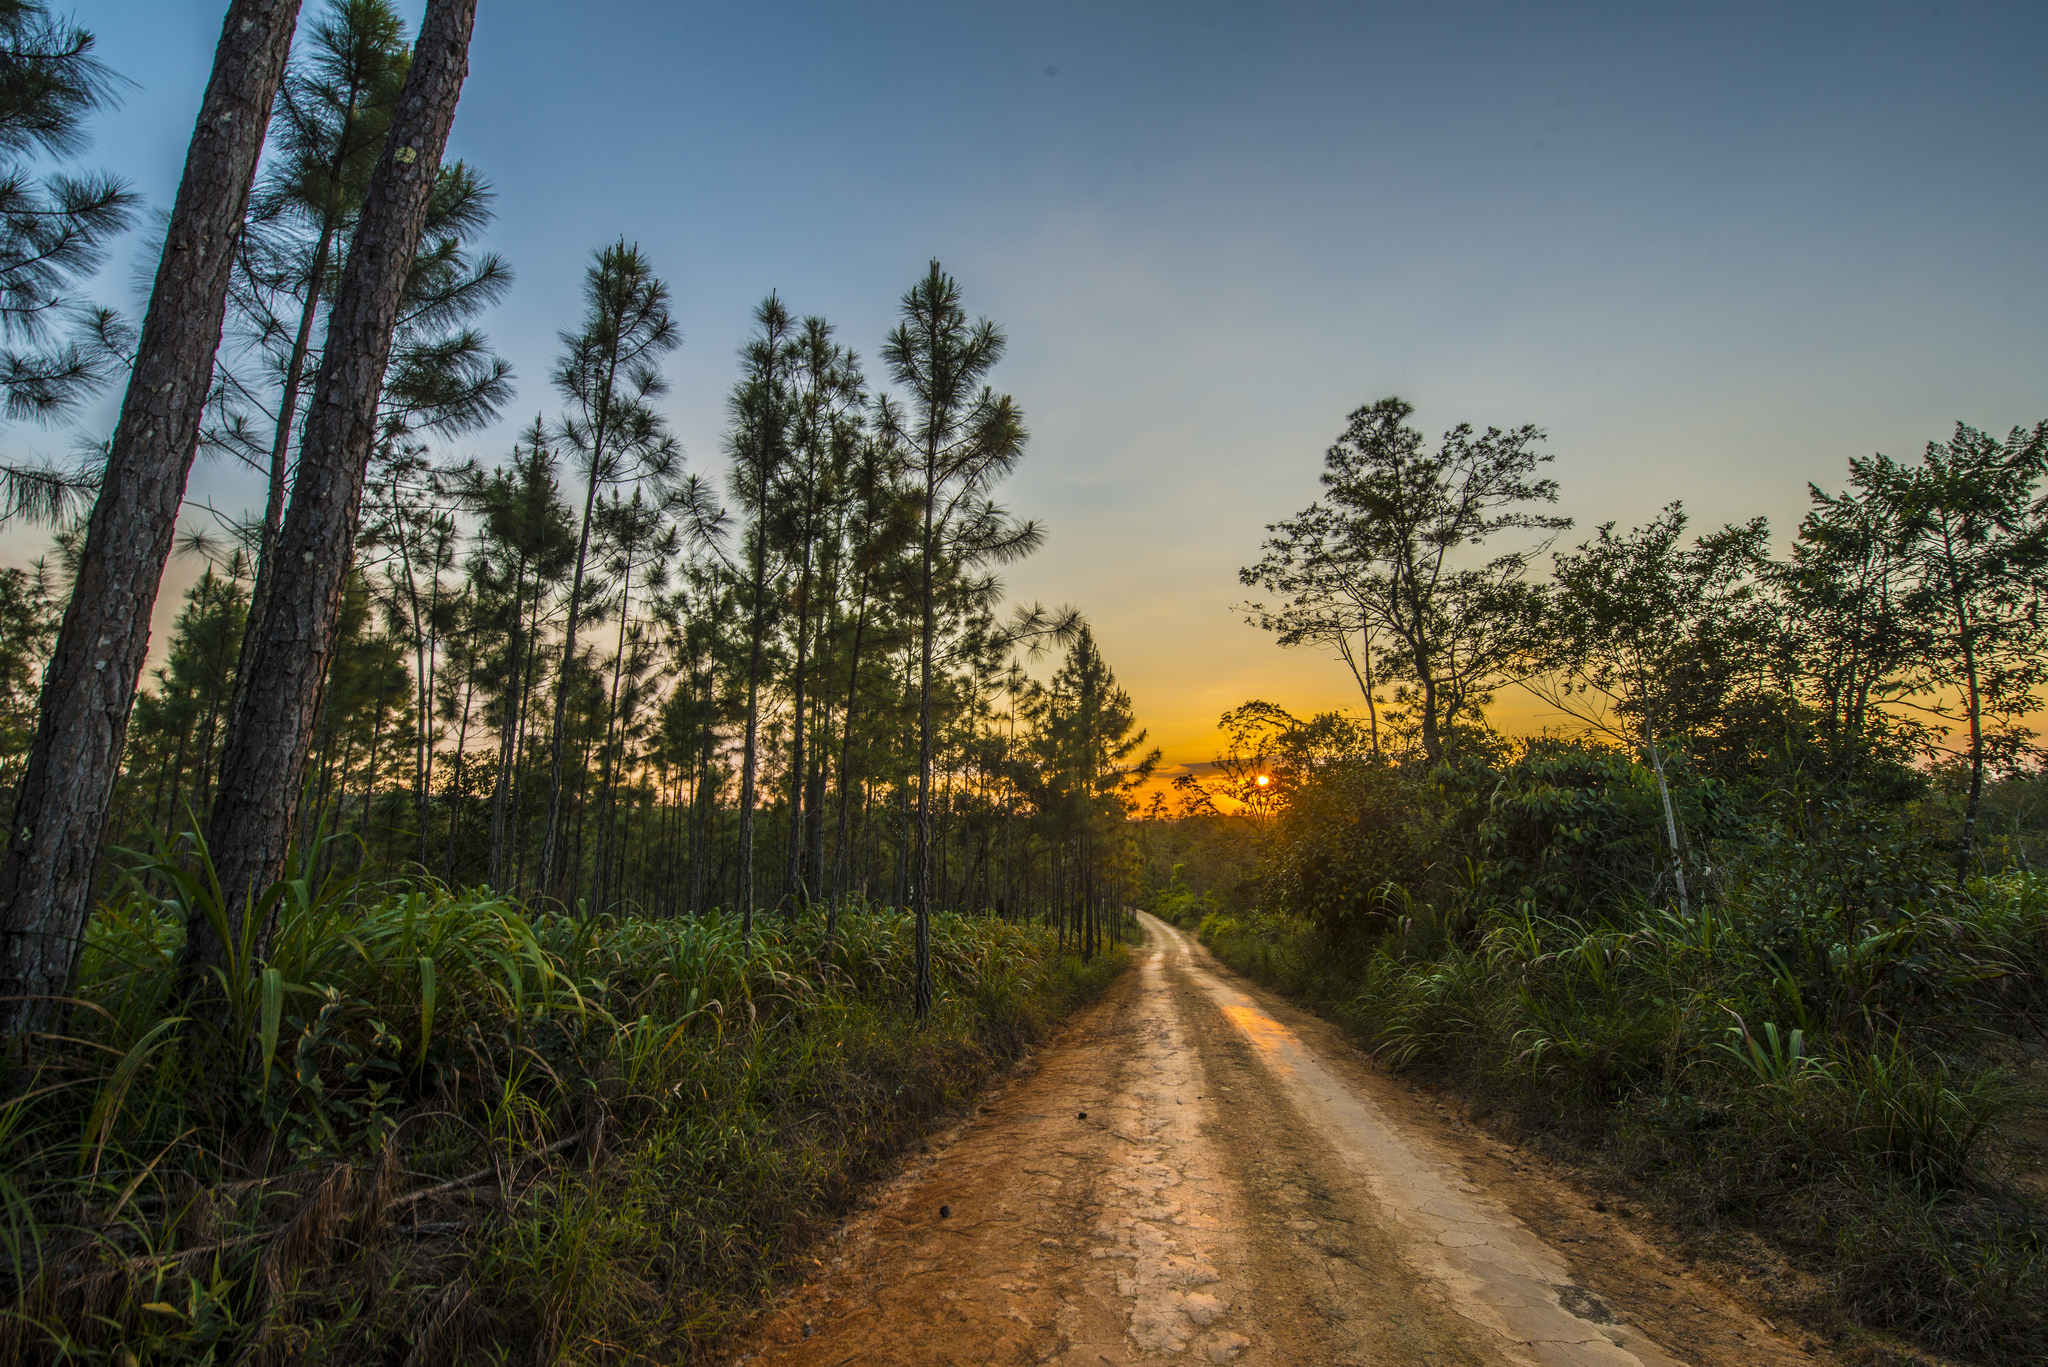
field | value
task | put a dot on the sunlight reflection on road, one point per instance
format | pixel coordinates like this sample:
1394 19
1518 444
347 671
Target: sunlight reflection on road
1266 1034
1498 1274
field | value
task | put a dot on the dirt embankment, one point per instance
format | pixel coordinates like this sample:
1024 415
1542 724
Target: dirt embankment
1196 1172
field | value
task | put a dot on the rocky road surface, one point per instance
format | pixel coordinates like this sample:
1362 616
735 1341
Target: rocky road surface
1196 1172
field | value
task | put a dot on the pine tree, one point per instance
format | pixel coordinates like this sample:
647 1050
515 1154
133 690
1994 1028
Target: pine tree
960 440
526 545
610 377
827 411
334 112
54 231
761 410
29 611
61 807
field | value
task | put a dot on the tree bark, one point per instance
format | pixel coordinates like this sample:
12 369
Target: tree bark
277 699
60 817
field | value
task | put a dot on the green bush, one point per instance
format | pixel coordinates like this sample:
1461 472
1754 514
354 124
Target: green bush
1817 1049
1354 833
1180 904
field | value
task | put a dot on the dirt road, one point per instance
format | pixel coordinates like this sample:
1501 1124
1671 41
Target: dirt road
1195 1172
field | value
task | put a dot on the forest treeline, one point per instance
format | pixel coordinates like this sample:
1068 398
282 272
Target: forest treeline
588 671
532 891
1752 926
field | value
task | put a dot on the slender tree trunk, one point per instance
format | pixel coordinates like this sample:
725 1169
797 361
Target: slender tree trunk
288 411
325 769
60 814
1976 703
461 757
334 783
793 889
700 815
1670 822
178 774
370 783
921 885
611 716
1432 736
278 697
423 682
165 778
675 890
295 365
842 853
748 748
1366 685
551 833
430 667
814 827
504 794
574 863
906 839
205 765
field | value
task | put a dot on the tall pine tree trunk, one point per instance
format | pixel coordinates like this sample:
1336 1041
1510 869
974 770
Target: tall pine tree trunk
521 650
921 876
551 834
277 699
843 849
753 735
794 892
287 418
611 718
60 814
461 757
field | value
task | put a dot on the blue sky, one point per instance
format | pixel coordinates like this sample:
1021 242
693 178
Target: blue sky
1714 250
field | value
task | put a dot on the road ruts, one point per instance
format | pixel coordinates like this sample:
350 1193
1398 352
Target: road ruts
1196 1173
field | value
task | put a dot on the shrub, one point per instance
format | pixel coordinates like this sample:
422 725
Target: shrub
1353 833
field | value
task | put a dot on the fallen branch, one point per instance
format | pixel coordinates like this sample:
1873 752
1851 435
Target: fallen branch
483 1174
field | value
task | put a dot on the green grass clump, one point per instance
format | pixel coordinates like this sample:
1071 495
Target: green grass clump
440 1126
1814 1057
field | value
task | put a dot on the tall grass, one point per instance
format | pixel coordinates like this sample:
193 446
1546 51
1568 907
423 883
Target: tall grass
437 1124
1820 1057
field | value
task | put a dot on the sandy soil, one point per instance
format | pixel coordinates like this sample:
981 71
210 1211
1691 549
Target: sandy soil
1196 1172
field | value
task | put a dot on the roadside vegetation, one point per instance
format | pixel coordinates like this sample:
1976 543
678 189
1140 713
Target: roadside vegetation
437 1126
1754 929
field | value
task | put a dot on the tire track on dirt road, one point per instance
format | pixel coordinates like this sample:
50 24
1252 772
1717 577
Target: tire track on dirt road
1195 1172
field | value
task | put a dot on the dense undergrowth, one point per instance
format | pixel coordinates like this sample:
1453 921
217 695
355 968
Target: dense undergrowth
439 1127
1821 1046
